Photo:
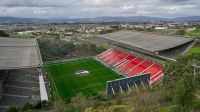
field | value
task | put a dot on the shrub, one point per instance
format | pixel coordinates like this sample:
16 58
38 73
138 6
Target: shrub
26 107
12 109
59 106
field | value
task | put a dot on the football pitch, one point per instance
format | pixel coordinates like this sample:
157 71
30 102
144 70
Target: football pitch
65 84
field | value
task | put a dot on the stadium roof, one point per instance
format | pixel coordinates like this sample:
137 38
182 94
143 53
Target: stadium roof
19 53
146 41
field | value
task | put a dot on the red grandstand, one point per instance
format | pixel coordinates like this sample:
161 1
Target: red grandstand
130 65
137 53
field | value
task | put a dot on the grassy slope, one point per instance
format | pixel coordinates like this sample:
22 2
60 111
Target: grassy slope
68 85
195 50
195 33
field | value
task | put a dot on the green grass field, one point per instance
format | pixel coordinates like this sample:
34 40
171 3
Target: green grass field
195 50
65 84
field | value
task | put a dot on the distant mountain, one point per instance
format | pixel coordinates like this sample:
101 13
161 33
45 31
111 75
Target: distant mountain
113 19
133 19
97 20
21 20
186 19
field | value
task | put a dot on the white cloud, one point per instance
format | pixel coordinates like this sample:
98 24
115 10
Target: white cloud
127 7
40 10
94 8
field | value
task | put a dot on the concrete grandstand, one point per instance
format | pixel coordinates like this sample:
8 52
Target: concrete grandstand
21 76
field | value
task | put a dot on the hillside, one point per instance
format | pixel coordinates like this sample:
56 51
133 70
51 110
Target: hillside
97 19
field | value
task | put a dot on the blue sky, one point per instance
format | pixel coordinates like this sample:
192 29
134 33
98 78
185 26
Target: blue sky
98 8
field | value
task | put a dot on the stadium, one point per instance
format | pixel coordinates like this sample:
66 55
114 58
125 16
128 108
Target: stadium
132 54
134 59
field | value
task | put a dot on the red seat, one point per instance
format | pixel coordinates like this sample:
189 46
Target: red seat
156 76
139 68
117 59
130 65
106 53
153 69
111 56
124 61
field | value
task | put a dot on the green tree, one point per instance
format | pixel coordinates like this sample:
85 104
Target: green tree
184 92
3 33
12 109
180 82
181 32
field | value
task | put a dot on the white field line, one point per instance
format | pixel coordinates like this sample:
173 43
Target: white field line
66 60
56 88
